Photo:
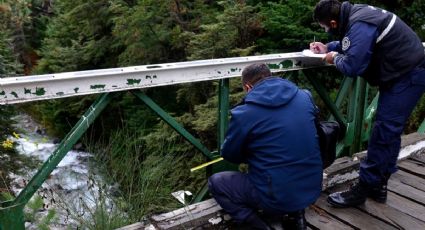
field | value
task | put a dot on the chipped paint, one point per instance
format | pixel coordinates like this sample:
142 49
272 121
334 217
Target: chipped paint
27 91
133 81
39 91
2 93
14 94
286 64
76 89
60 93
97 86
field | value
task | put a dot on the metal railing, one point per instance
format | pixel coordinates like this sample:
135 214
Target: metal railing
106 82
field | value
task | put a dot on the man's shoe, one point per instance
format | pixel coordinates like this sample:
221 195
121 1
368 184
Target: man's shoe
295 221
378 193
356 195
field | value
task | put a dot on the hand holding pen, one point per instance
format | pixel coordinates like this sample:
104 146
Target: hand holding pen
318 47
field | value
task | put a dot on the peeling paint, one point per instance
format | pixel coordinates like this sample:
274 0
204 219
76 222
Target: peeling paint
60 93
154 76
14 94
97 86
2 93
39 91
133 81
286 64
27 91
76 89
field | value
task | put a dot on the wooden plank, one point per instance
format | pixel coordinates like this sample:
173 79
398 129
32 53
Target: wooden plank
320 219
409 179
353 216
413 167
419 158
191 216
398 185
406 206
391 215
135 226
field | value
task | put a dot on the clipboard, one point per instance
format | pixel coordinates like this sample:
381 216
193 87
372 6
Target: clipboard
309 53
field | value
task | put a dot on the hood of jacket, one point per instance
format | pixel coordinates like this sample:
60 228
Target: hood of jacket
272 92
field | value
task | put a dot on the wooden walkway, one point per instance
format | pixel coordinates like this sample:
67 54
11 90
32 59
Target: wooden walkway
404 209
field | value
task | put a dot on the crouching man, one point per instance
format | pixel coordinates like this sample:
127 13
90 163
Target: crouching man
273 131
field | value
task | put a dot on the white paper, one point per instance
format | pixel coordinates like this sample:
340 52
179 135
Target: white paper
309 53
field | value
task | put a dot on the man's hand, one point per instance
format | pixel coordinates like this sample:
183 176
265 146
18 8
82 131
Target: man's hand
329 58
318 48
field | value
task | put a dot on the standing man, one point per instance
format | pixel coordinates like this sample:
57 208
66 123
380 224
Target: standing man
378 46
273 131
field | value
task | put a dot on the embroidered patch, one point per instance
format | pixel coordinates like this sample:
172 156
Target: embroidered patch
345 43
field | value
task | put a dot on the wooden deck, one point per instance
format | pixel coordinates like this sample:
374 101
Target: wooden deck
404 209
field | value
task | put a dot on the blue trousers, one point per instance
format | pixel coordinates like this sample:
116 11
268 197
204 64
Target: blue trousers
395 104
234 192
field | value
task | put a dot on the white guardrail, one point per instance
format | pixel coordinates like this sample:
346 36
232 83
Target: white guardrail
68 84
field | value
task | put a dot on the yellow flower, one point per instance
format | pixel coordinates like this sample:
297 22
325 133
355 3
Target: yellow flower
16 135
7 144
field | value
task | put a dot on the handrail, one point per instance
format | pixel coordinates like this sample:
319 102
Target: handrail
68 84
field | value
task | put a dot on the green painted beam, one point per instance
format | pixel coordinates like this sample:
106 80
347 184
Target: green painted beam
422 127
173 123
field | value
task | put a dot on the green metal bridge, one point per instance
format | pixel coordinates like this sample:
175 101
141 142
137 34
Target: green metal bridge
354 107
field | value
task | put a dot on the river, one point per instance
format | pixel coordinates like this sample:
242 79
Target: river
72 191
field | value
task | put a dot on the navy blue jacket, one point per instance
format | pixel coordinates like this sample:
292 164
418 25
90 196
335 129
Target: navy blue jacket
375 44
273 131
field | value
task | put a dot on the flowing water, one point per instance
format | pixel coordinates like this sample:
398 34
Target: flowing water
72 190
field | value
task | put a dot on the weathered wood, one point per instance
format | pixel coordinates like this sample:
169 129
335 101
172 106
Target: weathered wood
419 158
353 216
391 215
409 179
346 169
135 226
400 187
406 206
191 216
413 167
320 219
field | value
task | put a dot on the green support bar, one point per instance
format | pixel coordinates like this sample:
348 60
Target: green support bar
11 213
325 97
173 123
223 110
422 127
223 120
368 120
358 108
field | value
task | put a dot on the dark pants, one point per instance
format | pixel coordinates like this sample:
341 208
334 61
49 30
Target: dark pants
235 194
395 105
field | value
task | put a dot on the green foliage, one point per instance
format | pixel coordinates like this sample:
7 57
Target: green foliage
147 175
289 26
232 34
79 37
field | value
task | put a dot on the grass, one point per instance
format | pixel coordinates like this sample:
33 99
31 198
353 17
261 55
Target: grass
146 180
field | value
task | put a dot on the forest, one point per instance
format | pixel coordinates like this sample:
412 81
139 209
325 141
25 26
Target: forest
144 156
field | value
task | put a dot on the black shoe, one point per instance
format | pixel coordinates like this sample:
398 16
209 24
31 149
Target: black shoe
356 195
295 221
255 222
378 193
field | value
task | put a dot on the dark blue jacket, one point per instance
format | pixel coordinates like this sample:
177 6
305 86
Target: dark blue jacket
273 131
375 44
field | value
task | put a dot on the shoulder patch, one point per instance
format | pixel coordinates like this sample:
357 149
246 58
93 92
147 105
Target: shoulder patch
345 43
